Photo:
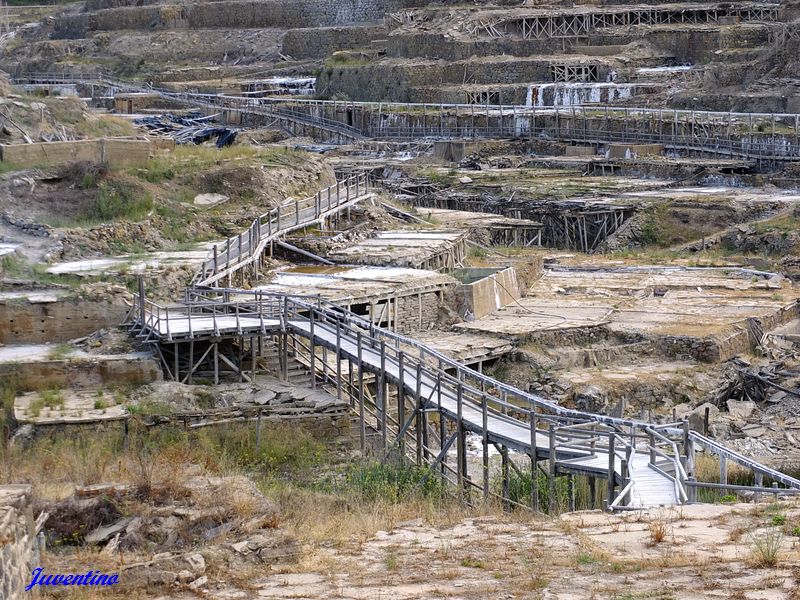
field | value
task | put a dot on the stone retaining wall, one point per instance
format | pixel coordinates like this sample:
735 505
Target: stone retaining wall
111 151
417 312
245 14
321 42
25 322
19 554
487 295
93 370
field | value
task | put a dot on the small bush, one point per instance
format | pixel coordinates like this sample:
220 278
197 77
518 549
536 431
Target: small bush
388 482
59 352
391 561
119 202
779 520
52 398
472 563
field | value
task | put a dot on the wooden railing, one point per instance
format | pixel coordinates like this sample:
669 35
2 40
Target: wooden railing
472 401
237 252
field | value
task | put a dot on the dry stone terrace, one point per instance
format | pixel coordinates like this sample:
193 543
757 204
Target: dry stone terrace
702 313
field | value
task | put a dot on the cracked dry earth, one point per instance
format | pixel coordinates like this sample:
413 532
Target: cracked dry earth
707 552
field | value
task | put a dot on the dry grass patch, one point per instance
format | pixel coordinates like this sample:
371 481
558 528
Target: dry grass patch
658 529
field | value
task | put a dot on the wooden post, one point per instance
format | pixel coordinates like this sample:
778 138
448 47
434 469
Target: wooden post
551 472
723 471
216 363
506 478
571 488
362 431
141 302
191 360
312 350
759 484
419 411
382 393
240 353
592 493
461 450
534 455
339 360
258 431
442 428
401 401
485 414
611 472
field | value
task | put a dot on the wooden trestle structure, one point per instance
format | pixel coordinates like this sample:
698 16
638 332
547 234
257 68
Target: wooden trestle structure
571 224
555 24
421 404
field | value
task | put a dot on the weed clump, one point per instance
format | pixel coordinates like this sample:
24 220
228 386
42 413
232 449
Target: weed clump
765 549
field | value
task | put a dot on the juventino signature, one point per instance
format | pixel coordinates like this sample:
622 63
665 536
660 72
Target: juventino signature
90 578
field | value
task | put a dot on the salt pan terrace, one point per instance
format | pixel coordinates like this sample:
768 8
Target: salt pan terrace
704 314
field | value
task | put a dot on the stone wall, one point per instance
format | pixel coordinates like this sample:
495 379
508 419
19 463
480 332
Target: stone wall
92 370
396 82
19 554
235 14
417 312
26 322
321 42
112 151
488 294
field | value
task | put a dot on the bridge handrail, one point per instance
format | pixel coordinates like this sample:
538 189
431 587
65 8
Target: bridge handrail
235 252
720 450
680 477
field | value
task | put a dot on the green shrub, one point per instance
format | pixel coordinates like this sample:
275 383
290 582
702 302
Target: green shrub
389 482
119 202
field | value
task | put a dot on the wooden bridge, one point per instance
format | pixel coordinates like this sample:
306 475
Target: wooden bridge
247 249
422 404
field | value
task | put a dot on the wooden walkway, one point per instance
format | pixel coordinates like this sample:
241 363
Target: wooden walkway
247 249
423 403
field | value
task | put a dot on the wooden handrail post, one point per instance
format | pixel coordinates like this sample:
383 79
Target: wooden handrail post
362 430
611 471
382 393
401 401
485 422
419 426
312 349
534 457
339 360
551 472
460 441
653 448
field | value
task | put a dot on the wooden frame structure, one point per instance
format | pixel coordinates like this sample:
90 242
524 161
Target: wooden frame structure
575 24
438 401
574 73
568 224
